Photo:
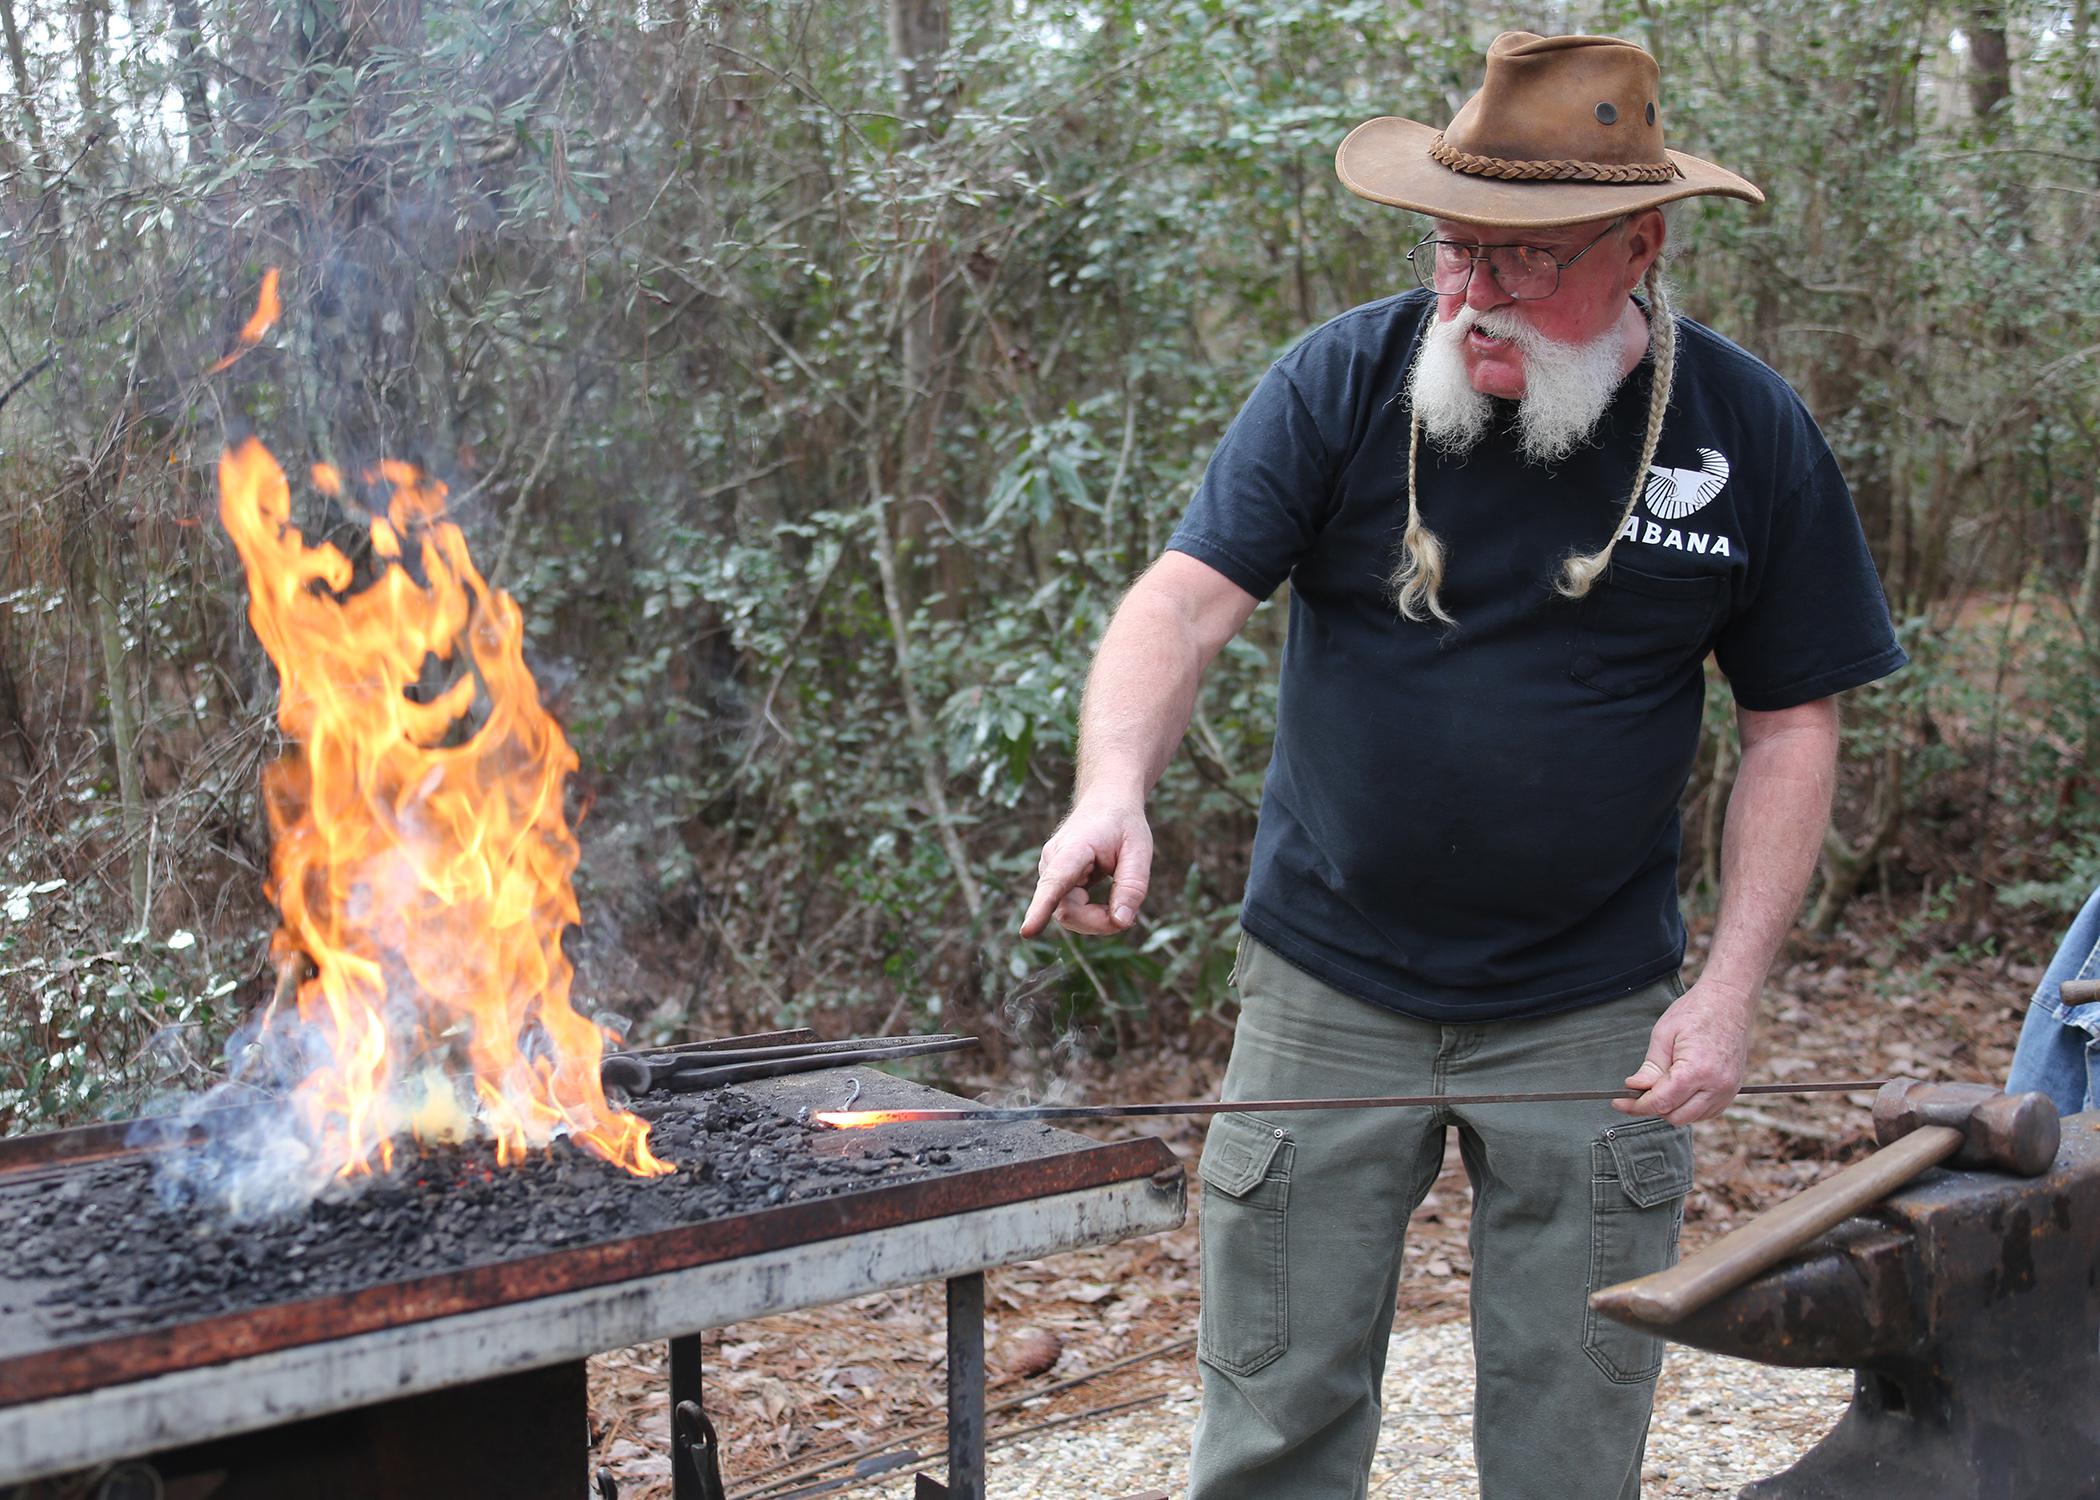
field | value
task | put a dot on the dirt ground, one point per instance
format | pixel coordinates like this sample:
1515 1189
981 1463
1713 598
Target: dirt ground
858 1387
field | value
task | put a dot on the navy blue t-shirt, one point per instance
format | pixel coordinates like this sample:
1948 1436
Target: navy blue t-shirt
1481 823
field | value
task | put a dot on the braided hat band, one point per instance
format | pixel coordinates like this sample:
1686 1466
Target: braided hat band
1560 170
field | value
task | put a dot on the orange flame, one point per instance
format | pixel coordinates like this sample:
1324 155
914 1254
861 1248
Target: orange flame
267 311
421 856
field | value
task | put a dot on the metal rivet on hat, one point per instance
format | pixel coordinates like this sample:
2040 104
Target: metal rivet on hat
1608 113
1651 111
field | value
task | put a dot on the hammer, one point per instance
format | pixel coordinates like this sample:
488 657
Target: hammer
1918 1125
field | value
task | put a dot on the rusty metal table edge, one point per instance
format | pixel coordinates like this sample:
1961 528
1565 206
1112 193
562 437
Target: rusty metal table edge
93 1364
53 1435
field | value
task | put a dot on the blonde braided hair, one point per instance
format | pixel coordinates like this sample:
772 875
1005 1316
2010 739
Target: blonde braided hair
1578 573
1418 572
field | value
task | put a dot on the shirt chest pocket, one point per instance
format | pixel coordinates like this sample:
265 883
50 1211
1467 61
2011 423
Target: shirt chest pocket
1635 630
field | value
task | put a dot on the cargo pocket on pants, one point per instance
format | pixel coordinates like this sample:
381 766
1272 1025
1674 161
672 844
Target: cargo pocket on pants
1639 1175
1244 1320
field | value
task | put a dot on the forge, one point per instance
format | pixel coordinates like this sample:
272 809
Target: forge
424 1334
385 1285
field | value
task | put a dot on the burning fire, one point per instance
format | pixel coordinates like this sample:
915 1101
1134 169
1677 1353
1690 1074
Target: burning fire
267 311
421 857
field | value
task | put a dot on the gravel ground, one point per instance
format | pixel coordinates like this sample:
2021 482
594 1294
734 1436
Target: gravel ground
1719 1423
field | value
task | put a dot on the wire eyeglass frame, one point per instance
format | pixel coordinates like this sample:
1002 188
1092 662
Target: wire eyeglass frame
1426 267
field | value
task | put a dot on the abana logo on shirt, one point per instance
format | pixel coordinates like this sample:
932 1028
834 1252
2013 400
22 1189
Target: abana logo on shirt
1674 494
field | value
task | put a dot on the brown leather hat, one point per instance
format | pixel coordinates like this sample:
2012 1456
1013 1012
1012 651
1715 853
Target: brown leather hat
1564 129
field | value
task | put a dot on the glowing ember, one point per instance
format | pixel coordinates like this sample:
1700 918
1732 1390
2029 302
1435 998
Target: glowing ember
421 860
861 1119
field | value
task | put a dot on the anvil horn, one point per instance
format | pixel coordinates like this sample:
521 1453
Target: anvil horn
1852 1296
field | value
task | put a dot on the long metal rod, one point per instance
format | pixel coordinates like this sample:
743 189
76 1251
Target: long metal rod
1272 1106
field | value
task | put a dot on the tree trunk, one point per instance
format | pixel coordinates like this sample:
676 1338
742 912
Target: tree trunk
918 38
1990 66
2088 66
87 49
1713 814
1991 96
123 721
2085 608
2087 605
918 45
190 64
25 95
1845 863
927 748
17 744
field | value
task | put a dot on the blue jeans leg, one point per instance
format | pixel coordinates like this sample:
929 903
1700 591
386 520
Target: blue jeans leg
2057 1053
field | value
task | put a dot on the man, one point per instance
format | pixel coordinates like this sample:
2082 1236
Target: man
2059 1049
1516 510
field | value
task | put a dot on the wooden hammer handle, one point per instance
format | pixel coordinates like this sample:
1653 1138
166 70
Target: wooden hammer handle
1666 1297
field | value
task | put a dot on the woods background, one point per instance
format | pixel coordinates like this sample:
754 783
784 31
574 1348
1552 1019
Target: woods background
817 375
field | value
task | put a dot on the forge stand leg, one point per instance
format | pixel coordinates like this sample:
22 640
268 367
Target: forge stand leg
965 1395
696 1469
966 1388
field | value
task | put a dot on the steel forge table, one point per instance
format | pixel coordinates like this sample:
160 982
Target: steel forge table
471 1382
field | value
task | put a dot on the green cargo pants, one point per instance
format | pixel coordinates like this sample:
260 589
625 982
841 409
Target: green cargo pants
1304 1216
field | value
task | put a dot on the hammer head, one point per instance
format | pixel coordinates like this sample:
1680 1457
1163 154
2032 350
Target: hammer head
2011 1132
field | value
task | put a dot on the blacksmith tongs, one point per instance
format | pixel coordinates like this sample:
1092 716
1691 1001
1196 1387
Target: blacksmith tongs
684 1070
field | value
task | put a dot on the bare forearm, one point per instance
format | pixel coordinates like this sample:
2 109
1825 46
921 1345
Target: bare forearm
1698 1049
1142 688
1776 818
1139 696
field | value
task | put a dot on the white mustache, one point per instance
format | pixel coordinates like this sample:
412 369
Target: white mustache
1569 385
1501 323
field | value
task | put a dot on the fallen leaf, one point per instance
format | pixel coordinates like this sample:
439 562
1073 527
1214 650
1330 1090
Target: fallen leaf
1031 1352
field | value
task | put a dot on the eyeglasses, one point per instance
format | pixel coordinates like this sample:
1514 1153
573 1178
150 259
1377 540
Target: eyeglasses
1525 273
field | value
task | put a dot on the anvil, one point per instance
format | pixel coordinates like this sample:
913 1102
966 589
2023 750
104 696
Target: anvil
1968 1308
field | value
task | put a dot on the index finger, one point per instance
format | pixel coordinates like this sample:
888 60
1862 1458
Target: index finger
1665 1096
1064 872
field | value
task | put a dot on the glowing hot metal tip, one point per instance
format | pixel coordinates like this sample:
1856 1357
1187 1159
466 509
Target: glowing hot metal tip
860 1119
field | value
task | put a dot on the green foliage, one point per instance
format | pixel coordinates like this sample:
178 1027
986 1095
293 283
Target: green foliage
87 1026
2076 875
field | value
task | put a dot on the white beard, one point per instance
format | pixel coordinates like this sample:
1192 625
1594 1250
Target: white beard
1566 386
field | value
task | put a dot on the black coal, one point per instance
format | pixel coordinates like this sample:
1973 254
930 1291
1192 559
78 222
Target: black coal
106 1253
